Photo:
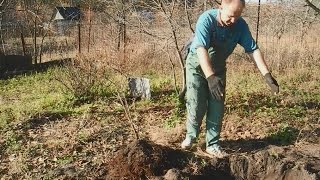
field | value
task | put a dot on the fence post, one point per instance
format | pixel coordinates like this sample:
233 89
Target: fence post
35 41
79 38
79 32
23 43
89 33
258 21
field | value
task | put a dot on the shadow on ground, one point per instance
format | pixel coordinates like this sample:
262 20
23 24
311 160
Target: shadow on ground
20 133
283 137
38 121
258 101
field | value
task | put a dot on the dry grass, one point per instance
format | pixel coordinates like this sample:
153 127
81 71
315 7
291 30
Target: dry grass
44 138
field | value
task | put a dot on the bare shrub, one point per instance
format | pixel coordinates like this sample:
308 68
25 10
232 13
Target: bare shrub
84 78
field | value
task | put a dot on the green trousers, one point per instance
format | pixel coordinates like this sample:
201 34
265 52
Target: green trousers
200 101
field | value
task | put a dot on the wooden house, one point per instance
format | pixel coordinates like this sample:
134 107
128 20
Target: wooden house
66 17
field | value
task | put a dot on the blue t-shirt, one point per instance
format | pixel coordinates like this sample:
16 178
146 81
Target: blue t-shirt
221 40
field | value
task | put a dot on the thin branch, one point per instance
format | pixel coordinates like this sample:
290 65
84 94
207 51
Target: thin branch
64 84
136 26
172 10
218 2
187 15
1 2
118 71
35 15
173 71
175 38
309 3
124 103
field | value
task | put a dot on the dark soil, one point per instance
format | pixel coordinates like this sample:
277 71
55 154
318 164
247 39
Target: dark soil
145 160
101 145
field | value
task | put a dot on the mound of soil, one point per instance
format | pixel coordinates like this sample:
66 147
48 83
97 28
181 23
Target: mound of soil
143 159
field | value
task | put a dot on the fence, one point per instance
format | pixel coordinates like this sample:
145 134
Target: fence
151 42
18 39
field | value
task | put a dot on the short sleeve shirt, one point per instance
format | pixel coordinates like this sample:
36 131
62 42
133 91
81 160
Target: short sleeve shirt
222 40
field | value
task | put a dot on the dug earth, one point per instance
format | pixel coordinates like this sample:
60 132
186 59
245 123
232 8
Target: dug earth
143 159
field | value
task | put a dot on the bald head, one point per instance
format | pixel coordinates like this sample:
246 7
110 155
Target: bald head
230 11
238 2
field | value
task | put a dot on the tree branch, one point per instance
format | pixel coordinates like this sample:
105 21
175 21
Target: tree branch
187 15
125 106
218 2
310 4
175 38
1 2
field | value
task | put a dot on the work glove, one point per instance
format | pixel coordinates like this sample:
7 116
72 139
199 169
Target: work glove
272 83
216 87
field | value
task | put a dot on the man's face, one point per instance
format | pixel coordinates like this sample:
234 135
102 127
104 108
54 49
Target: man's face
230 13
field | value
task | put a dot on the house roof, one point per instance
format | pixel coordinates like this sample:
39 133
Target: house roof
67 13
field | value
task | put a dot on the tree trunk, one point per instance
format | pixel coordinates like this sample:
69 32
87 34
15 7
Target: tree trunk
23 42
44 34
183 70
90 25
2 51
124 31
35 41
79 37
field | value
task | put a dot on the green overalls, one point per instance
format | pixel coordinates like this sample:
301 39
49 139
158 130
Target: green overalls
220 43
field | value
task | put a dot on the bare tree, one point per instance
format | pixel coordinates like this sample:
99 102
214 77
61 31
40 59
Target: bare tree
32 11
121 11
168 10
38 20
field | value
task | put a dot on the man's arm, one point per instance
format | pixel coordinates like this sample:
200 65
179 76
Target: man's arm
262 66
215 83
258 59
204 61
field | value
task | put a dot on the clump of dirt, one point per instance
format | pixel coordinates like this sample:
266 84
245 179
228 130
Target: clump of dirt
143 159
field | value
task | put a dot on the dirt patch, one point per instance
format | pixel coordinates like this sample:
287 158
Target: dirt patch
165 136
145 160
275 163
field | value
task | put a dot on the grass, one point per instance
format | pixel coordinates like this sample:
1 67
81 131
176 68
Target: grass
12 141
43 125
96 129
46 127
26 96
285 135
178 113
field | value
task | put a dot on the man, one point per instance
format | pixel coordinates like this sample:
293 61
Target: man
218 31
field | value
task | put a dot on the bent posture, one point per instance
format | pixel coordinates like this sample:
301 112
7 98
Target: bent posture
218 31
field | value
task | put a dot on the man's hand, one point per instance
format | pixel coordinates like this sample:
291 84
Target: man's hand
216 87
272 83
